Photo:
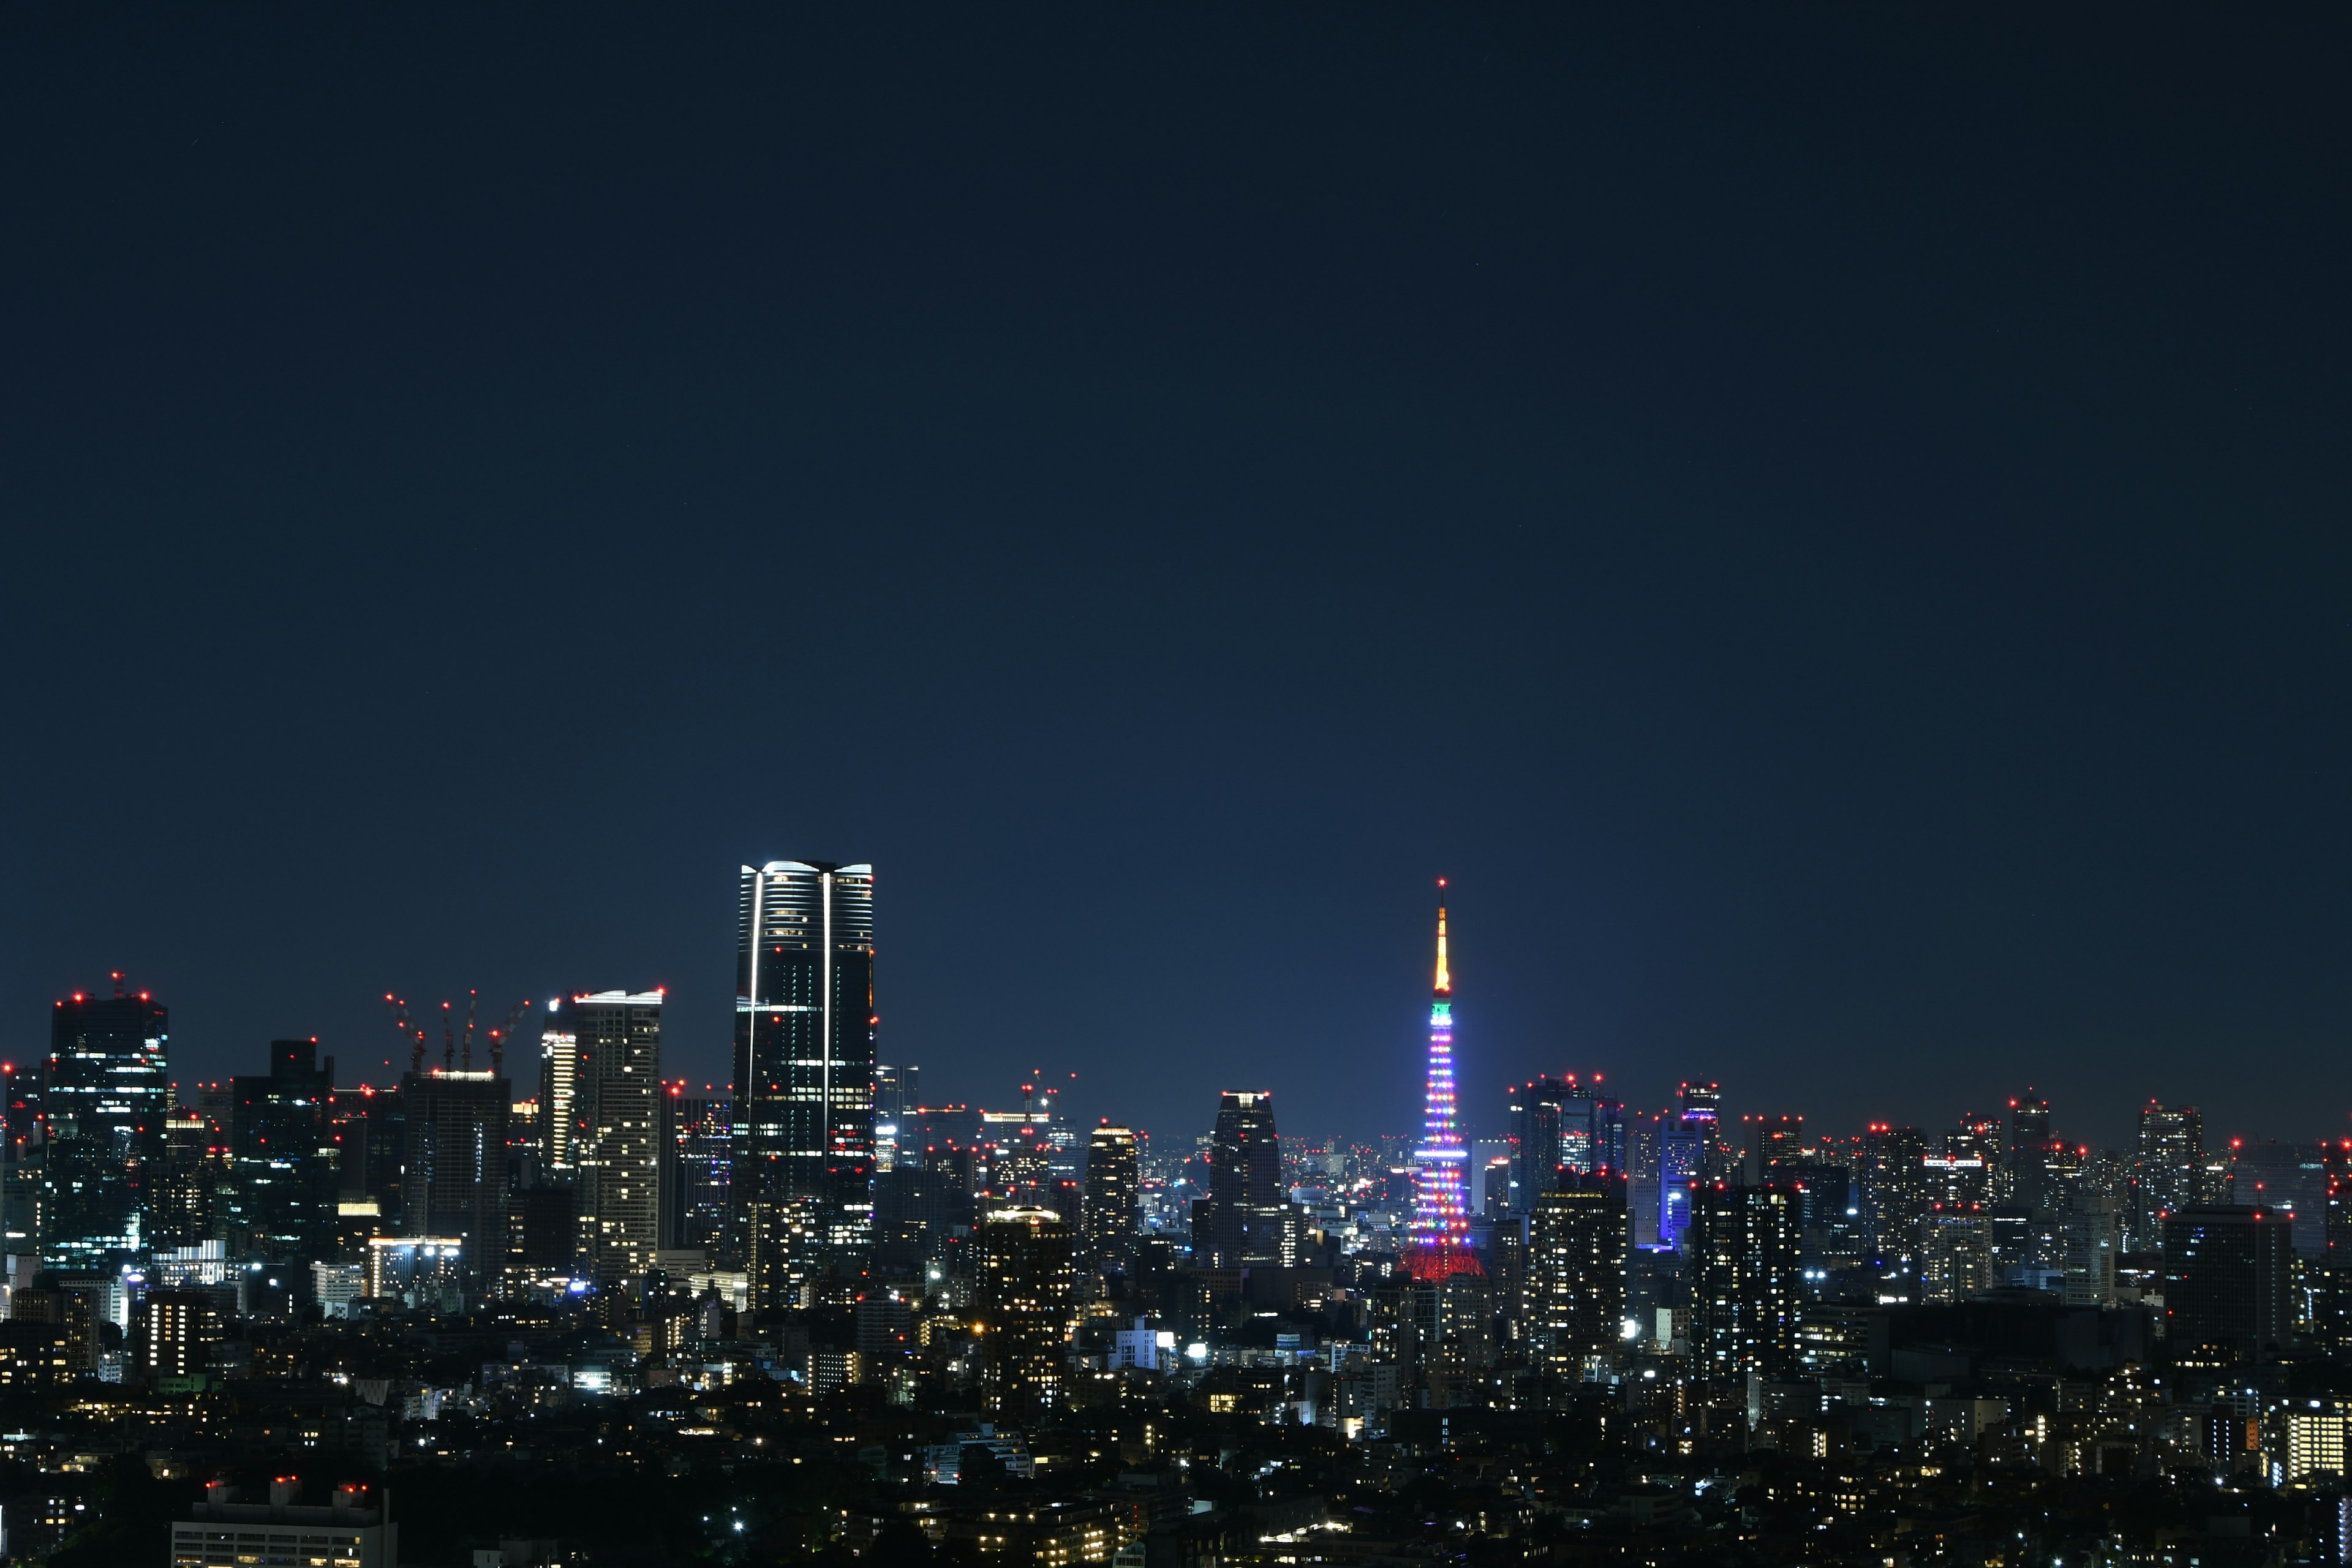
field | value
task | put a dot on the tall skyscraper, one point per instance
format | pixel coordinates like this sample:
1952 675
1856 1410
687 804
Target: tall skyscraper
453 1178
2172 1147
279 1195
1685 1136
1440 1245
106 1093
1537 1155
1113 1185
558 1074
1241 1219
1894 1196
2335 1313
616 1124
804 1085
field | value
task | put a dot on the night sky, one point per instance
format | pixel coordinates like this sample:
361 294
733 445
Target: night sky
1830 529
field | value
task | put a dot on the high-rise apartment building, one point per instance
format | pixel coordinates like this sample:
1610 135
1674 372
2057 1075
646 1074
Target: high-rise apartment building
1745 1278
1240 1220
1025 1298
104 1098
1114 1187
1895 1195
1576 1273
803 1083
453 1179
559 1076
616 1128
1959 1249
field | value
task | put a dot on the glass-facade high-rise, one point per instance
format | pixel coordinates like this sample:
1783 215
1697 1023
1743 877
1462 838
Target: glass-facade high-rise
106 1093
803 1073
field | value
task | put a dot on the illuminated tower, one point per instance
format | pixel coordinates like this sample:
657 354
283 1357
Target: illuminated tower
803 1083
1440 1248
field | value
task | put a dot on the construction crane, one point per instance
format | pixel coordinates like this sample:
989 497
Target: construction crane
503 1036
413 1038
470 1029
449 1040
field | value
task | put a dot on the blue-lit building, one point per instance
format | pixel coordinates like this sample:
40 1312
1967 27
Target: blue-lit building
1682 1145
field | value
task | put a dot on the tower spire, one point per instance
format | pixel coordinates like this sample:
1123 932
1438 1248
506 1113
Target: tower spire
1444 975
1440 1246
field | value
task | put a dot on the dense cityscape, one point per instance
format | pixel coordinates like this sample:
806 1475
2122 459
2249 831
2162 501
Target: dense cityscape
535 1303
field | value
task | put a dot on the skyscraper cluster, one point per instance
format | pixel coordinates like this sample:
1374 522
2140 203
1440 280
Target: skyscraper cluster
1681 1287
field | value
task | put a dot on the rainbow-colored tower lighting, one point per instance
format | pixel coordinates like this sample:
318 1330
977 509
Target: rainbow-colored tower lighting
1440 1245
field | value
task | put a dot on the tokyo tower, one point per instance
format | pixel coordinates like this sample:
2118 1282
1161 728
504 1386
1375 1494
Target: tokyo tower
1439 1245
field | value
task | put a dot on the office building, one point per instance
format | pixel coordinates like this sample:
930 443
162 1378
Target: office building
2289 1180
1769 1143
1439 1247
197 1164
370 1128
1240 1221
1576 1275
21 1147
280 1196
920 1205
2168 1155
104 1098
424 1272
352 1531
2027 1145
897 1092
2335 1268
2227 1282
1744 1269
1686 1146
1025 1302
698 1164
2093 1235
804 1084
616 1126
1114 1188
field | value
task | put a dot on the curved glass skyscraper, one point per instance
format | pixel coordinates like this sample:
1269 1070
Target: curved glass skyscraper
804 1077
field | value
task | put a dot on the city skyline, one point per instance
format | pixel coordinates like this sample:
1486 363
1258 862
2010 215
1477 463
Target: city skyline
1482 1116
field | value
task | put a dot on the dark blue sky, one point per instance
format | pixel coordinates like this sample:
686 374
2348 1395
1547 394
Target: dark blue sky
1831 529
